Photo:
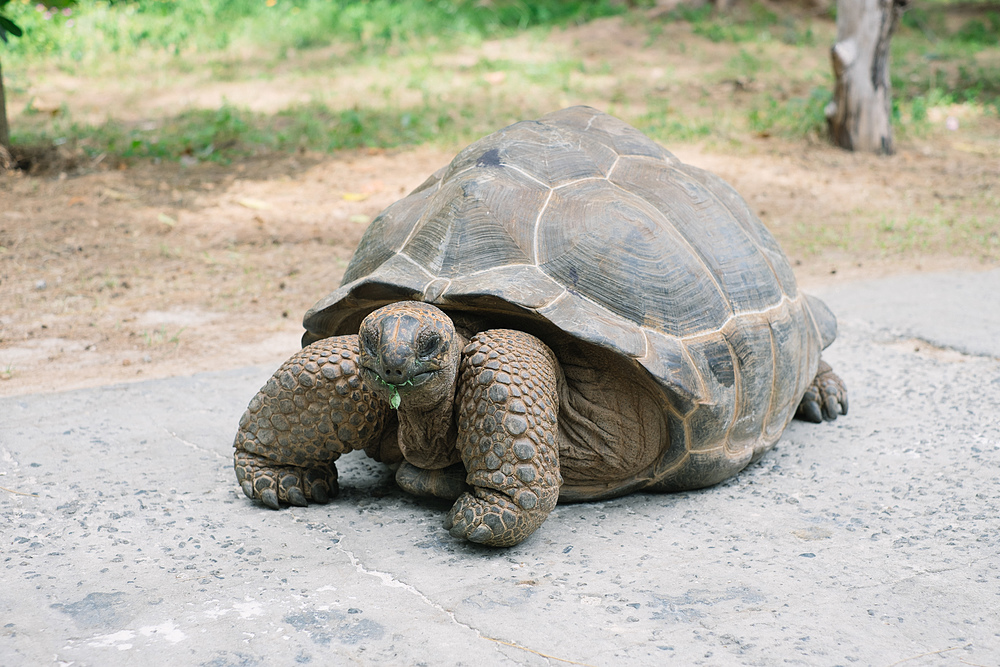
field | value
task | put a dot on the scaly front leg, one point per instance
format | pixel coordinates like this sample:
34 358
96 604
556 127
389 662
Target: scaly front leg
313 409
507 407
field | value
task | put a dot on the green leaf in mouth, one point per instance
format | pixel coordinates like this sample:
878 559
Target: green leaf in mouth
394 397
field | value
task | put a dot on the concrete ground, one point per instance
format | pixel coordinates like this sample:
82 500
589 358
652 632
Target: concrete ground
874 540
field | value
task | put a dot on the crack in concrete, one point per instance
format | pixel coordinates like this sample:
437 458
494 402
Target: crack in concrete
197 447
388 580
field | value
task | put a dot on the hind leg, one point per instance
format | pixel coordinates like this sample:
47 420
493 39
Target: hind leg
825 398
313 409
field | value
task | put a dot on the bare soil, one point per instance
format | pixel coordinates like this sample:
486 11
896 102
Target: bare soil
129 272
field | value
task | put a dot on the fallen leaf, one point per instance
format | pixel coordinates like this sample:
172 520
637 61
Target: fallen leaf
166 219
355 196
77 201
360 219
255 204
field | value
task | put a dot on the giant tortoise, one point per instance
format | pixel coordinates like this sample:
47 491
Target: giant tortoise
566 312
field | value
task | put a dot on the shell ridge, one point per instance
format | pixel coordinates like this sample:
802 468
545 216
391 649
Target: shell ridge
785 299
402 253
611 169
531 176
774 381
417 226
579 180
538 223
737 393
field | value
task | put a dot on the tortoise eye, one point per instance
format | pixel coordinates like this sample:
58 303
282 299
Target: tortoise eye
427 345
369 341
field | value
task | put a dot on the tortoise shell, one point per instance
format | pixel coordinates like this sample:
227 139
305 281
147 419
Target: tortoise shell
578 222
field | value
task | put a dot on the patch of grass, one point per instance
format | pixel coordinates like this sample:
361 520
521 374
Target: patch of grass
224 134
793 117
981 32
97 28
755 23
161 336
938 231
666 125
810 238
933 64
932 230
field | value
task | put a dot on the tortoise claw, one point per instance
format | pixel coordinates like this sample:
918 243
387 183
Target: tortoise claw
270 498
809 411
296 497
318 493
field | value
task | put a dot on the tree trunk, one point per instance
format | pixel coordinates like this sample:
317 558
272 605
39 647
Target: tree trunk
860 114
4 131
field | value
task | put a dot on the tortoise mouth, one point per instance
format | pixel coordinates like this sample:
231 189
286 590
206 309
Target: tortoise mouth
416 380
411 382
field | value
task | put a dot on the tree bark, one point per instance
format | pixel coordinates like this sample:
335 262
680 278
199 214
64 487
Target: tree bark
4 130
860 115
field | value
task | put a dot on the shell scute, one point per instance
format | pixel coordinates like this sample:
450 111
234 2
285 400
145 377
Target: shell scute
620 251
480 221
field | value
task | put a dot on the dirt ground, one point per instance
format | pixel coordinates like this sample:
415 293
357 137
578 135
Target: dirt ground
160 270
130 272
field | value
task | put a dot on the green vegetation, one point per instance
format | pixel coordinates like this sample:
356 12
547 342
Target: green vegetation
100 28
426 88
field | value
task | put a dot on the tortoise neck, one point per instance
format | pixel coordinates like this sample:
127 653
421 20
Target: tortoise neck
427 429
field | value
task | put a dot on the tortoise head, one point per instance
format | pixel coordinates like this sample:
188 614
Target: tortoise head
410 352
